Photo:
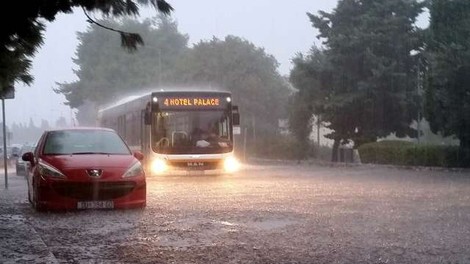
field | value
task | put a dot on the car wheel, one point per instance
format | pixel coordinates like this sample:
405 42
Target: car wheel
29 193
29 199
34 202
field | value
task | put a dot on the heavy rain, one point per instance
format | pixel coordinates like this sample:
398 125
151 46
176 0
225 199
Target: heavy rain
169 131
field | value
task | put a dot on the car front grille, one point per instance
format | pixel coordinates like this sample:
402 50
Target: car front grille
93 190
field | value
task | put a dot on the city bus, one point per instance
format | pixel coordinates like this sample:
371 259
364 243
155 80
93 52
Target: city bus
189 132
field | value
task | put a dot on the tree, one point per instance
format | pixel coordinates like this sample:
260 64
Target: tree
44 125
448 84
372 83
248 72
106 73
300 123
307 76
61 122
27 134
25 21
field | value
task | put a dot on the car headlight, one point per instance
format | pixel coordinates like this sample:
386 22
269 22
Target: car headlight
231 164
47 170
159 166
135 170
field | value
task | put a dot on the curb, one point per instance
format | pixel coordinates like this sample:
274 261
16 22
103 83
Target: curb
21 243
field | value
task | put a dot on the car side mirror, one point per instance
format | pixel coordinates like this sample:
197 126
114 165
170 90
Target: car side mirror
138 155
28 156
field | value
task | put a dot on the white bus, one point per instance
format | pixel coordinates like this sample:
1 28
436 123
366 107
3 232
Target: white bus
178 131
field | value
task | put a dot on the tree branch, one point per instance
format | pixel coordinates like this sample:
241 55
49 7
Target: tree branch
128 40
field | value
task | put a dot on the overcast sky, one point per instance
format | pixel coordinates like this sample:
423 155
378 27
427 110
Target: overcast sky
282 31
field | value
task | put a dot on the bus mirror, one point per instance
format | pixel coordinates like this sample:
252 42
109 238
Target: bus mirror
147 118
236 119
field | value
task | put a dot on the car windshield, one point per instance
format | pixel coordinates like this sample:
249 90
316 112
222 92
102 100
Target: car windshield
84 142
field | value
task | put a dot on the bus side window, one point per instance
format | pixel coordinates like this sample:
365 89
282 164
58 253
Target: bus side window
235 115
147 114
147 118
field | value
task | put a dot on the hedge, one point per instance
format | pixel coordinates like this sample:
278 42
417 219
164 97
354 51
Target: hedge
408 153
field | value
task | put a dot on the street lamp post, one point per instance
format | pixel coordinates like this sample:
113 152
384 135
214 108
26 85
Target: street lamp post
5 164
419 92
8 92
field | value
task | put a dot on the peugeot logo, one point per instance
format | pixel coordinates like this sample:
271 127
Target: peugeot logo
94 172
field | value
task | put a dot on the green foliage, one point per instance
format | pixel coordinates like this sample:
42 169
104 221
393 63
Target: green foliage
30 133
281 147
368 81
248 72
300 123
18 44
306 76
384 152
410 154
322 152
448 83
106 73
24 26
366 86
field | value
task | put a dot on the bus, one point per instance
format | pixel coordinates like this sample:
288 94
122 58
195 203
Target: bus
178 131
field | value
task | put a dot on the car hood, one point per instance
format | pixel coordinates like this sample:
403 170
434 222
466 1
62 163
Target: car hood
90 161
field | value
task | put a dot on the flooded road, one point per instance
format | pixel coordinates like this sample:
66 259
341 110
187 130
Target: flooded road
275 214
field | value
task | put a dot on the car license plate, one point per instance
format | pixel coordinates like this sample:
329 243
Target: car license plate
95 205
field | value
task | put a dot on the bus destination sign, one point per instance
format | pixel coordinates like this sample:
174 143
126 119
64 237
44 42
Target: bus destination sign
191 102
197 102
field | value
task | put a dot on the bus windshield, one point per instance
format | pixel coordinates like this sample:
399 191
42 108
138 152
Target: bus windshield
191 132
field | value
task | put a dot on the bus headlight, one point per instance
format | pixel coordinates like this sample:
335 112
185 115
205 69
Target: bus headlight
231 164
159 166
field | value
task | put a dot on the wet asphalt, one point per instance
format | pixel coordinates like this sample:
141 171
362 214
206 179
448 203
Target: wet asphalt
266 213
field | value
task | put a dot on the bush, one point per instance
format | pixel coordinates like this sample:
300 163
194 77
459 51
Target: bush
407 153
281 147
277 147
384 152
322 152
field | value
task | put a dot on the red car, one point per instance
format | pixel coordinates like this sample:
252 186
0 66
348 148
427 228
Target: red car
85 168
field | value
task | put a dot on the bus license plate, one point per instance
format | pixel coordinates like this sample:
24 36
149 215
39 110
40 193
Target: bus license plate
95 205
195 172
